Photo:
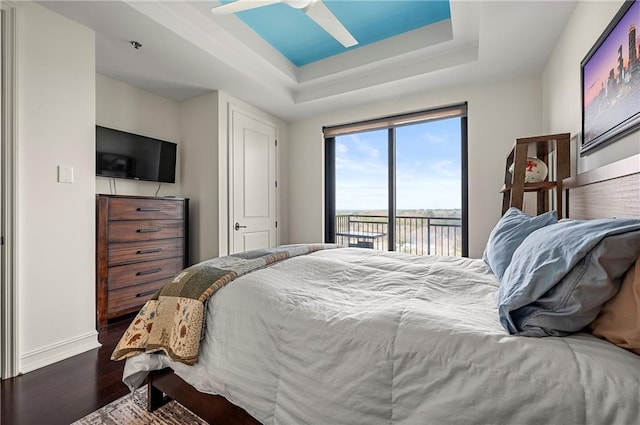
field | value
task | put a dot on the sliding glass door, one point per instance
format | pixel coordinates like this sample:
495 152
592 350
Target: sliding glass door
361 189
401 187
429 188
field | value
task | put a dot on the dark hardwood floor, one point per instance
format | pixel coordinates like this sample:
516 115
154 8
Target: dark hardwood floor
68 390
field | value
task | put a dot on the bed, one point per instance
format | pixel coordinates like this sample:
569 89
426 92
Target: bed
357 336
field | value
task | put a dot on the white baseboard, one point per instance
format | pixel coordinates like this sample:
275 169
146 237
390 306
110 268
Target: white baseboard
59 351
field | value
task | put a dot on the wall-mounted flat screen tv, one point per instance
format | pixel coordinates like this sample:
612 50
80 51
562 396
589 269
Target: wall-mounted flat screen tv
131 156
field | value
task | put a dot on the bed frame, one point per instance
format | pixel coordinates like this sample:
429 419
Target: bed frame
609 191
164 385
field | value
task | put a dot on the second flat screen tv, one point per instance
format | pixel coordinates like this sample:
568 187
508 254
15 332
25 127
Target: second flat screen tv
131 156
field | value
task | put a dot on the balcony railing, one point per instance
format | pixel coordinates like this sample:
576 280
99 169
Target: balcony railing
414 235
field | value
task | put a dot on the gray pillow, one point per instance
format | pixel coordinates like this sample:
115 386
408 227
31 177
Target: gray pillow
511 230
561 275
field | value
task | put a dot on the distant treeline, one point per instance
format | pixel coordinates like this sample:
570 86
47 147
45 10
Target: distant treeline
406 213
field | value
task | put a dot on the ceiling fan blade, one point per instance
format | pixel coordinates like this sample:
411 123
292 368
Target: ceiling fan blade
241 5
321 14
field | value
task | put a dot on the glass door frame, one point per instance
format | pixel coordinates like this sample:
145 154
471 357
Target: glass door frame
330 170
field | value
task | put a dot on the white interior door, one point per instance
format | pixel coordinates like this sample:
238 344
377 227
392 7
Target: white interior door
253 183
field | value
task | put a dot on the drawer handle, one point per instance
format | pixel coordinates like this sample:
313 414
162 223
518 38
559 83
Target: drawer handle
150 230
144 294
143 209
151 271
149 251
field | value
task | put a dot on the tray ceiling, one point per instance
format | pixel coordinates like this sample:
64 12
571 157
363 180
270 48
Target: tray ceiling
187 51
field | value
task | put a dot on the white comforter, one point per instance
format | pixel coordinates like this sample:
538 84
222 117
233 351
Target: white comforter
355 336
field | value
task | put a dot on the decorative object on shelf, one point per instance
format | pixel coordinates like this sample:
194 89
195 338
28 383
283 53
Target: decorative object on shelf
610 76
535 172
524 173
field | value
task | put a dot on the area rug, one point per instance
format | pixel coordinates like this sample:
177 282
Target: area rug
132 410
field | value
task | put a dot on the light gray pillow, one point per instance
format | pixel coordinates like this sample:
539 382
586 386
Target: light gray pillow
561 275
508 234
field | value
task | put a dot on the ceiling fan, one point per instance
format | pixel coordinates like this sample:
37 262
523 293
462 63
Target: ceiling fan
314 9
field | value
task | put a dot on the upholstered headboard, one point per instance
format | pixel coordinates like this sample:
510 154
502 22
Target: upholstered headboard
609 191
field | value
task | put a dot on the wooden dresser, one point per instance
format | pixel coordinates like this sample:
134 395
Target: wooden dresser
141 242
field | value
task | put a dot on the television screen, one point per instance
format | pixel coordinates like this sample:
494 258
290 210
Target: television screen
131 156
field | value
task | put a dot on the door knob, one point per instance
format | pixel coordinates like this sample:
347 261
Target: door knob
237 226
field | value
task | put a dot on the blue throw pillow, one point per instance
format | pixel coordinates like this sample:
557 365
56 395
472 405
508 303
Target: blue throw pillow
561 275
511 230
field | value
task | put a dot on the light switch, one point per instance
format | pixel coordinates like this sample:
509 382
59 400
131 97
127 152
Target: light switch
65 174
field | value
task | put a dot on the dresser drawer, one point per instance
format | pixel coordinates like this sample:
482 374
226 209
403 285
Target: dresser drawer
144 209
135 252
141 243
134 274
132 297
145 230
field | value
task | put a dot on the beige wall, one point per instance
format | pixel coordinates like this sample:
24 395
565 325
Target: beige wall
199 120
498 114
561 83
128 108
56 221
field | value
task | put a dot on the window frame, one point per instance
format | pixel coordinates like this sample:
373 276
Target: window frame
391 123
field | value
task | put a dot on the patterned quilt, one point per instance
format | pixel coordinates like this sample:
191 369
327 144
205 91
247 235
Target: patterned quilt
172 321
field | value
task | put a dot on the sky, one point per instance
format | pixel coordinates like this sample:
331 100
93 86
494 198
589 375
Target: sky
428 170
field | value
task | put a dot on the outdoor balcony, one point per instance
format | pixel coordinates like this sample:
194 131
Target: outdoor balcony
414 235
